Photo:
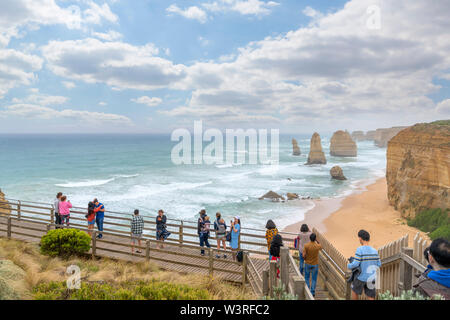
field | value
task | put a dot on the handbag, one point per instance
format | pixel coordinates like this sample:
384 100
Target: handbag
228 236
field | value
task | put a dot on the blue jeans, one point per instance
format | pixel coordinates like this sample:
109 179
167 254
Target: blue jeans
99 221
204 241
312 270
302 263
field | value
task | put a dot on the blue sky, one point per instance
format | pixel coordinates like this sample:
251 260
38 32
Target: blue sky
157 65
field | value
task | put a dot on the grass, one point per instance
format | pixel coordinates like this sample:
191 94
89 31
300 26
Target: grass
44 273
436 222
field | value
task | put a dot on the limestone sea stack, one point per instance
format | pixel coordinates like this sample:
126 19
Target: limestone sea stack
370 135
342 145
272 196
418 168
295 148
358 136
316 155
337 173
382 136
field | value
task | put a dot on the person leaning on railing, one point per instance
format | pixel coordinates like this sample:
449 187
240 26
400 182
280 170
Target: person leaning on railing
56 206
99 218
436 279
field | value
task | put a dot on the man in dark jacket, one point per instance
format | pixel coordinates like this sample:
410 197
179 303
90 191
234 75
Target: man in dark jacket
437 280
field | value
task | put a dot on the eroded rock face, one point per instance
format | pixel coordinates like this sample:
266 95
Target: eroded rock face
418 168
358 136
316 155
370 135
4 207
292 196
12 281
295 148
337 173
382 136
272 196
342 145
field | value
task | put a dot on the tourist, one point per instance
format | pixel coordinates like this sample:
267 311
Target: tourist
64 210
271 231
221 234
99 217
437 280
311 257
235 230
56 207
137 228
200 226
204 234
303 238
367 259
161 227
91 217
275 248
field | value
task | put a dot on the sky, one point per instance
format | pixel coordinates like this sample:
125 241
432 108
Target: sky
152 66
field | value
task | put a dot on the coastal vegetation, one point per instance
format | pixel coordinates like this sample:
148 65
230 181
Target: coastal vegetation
65 242
434 221
39 276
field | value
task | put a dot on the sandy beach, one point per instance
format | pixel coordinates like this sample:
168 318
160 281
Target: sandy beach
340 219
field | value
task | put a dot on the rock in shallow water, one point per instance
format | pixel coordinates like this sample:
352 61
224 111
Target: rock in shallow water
337 173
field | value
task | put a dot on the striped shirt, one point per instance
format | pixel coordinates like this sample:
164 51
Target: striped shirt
368 259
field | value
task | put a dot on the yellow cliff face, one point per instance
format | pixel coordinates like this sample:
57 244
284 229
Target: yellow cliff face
4 208
418 168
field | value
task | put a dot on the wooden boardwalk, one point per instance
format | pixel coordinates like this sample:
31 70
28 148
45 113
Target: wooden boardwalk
173 257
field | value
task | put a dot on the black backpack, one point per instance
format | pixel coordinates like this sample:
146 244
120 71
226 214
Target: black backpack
240 256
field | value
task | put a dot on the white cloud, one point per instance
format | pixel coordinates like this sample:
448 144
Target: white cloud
45 113
335 69
102 104
194 13
69 84
117 64
17 68
19 15
151 102
111 35
41 99
244 7
443 107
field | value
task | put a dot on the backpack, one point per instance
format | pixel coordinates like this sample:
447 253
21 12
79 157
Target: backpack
221 228
240 256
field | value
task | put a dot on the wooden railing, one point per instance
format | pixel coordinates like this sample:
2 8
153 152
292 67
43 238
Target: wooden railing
290 277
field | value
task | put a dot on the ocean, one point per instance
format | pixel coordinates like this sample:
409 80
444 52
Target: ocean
126 172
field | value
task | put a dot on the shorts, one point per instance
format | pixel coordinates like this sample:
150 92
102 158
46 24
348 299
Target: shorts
221 237
91 223
135 237
358 286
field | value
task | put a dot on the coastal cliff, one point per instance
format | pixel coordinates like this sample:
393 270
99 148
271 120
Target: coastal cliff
382 136
342 145
418 168
4 208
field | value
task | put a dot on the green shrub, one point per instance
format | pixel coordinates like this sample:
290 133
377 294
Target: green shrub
65 242
407 295
435 221
133 290
280 293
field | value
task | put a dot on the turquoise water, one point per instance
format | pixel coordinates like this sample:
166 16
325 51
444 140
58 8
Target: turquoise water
135 171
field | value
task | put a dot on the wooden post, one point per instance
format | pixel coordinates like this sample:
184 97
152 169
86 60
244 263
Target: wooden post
52 215
211 262
299 287
9 231
284 266
348 288
272 276
180 235
19 214
49 226
147 250
265 279
94 243
244 267
406 270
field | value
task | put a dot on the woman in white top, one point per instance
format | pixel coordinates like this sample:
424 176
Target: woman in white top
303 238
